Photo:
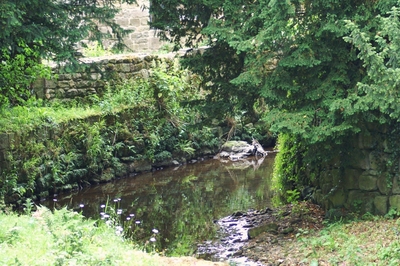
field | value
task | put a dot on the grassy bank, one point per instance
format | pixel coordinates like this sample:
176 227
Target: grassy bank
361 242
47 147
370 240
137 124
67 238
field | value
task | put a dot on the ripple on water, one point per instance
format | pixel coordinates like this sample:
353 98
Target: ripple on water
232 236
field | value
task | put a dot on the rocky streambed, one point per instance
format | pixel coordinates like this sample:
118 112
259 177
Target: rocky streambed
257 237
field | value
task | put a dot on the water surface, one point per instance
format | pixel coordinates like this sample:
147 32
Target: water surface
181 203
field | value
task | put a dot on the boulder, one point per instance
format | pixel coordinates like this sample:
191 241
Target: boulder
237 147
236 150
266 228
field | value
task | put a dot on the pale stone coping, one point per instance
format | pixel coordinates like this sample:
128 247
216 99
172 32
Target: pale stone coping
171 55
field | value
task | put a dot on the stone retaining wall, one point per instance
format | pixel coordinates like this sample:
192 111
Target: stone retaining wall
135 17
96 74
52 158
370 180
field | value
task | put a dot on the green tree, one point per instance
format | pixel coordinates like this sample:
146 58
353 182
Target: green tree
192 23
325 68
31 30
293 53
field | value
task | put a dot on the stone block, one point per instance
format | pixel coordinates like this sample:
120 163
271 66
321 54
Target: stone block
354 198
338 198
50 84
39 87
60 92
396 184
3 155
369 202
83 84
122 22
377 160
127 60
95 76
64 77
384 183
326 187
66 84
91 91
359 159
39 83
124 68
265 228
361 201
336 177
134 22
98 83
4 141
49 94
394 202
351 177
72 92
145 22
368 181
366 141
140 166
381 205
76 76
142 41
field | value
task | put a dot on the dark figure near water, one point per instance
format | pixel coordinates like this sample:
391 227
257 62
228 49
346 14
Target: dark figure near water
258 149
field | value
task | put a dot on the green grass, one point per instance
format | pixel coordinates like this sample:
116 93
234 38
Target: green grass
28 117
64 238
37 112
67 238
374 242
129 93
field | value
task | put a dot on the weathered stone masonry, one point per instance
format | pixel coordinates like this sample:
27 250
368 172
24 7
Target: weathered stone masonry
370 181
135 17
94 76
42 141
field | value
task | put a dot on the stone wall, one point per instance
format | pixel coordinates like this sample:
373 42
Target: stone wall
95 75
135 17
369 180
51 158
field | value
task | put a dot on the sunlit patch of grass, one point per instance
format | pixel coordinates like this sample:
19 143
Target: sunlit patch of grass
135 92
354 243
66 238
31 116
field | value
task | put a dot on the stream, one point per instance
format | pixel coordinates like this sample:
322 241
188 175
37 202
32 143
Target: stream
177 211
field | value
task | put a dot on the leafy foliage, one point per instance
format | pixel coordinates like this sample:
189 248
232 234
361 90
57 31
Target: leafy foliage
325 69
33 30
65 237
18 73
55 27
63 146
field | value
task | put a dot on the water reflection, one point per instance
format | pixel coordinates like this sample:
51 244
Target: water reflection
178 204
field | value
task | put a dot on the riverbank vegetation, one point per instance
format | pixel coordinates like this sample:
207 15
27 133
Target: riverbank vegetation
326 71
316 72
134 125
65 237
361 240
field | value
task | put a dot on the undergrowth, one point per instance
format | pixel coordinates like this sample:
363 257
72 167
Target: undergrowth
60 145
65 238
358 242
